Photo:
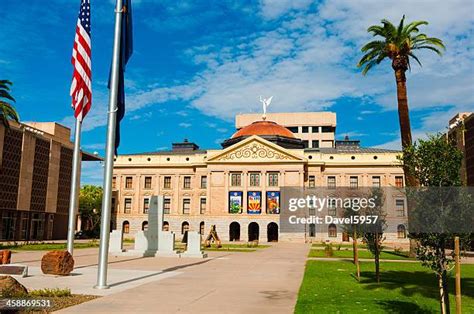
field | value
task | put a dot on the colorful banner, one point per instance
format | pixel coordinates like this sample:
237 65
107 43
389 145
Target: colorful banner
254 202
235 202
273 202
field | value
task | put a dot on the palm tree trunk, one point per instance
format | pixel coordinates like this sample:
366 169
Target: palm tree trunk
404 116
377 258
400 68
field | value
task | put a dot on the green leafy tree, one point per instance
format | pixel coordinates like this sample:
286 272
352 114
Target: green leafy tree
373 234
398 44
440 208
7 111
90 204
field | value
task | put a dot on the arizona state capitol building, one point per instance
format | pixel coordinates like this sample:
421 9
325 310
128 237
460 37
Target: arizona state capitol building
237 188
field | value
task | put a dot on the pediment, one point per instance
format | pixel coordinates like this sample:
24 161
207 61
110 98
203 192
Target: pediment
255 149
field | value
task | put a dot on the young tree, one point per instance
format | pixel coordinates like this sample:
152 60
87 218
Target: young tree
90 203
399 44
7 111
373 234
440 208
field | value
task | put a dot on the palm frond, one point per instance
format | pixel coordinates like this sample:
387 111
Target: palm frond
5 94
415 58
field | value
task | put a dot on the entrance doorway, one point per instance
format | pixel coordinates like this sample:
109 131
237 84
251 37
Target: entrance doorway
272 232
254 231
234 231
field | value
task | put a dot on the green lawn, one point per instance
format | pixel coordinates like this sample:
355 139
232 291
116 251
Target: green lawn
330 287
47 246
243 247
362 254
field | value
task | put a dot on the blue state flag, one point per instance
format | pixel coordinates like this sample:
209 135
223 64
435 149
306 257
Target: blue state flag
126 50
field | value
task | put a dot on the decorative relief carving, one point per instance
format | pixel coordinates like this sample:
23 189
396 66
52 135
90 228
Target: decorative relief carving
255 151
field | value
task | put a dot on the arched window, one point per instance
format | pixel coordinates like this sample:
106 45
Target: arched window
332 231
126 227
201 228
401 232
184 227
166 226
145 225
234 231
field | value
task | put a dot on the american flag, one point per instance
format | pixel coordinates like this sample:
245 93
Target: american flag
81 87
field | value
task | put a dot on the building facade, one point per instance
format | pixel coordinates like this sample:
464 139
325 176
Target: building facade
35 181
461 134
237 188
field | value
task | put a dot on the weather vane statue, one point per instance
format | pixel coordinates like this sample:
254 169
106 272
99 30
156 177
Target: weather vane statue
265 103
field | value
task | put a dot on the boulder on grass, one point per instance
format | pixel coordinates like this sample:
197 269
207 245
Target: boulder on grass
10 287
57 263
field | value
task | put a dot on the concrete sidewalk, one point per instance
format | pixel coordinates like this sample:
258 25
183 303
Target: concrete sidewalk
265 281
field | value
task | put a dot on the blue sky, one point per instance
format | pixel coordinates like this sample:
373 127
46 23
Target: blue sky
198 63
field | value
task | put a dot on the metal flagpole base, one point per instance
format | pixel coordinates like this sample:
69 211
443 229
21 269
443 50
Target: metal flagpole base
102 287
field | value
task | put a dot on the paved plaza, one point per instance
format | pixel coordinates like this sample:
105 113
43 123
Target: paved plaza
265 281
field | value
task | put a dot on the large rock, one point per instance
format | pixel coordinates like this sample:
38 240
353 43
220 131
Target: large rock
10 287
5 256
57 263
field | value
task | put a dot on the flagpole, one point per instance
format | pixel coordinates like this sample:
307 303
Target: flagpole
109 155
73 197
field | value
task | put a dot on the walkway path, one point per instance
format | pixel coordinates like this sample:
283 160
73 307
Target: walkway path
265 281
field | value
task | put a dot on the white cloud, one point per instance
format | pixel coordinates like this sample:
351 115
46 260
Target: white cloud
92 172
185 125
271 9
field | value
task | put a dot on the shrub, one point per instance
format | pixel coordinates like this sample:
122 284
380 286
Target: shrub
56 292
328 250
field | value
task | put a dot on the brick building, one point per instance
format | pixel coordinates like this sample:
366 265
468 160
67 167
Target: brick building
35 180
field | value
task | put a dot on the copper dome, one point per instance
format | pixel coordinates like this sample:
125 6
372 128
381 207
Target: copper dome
260 128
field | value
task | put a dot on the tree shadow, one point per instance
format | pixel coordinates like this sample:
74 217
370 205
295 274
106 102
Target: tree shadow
403 307
414 282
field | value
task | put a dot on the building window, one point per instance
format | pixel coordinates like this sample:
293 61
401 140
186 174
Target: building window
186 205
203 182
184 227
400 207
255 179
166 226
235 179
128 182
273 179
332 207
201 228
305 129
126 227
166 205
145 226
326 129
376 181
146 205
331 182
147 183
315 144
187 182
293 129
202 205
332 231
399 181
315 129
354 182
401 232
312 181
167 183
114 183
305 144
128 206
312 230
114 209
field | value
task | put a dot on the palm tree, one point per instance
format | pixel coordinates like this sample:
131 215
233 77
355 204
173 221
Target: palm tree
7 111
398 44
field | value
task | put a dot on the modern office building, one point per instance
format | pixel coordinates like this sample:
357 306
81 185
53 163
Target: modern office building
35 180
238 188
